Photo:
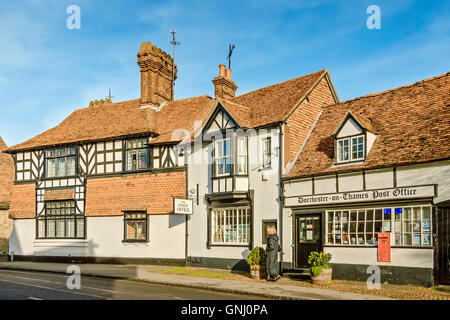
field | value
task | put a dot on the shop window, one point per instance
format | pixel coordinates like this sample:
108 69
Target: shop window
60 162
266 224
267 152
222 157
230 225
137 155
409 226
136 226
350 149
60 221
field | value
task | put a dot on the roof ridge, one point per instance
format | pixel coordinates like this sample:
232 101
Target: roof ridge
279 83
392 90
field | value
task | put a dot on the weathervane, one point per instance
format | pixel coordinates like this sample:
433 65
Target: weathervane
174 42
109 96
230 52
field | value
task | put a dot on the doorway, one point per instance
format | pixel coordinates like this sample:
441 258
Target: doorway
308 237
443 243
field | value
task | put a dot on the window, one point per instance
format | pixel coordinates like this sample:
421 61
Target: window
355 144
409 226
60 221
136 226
230 225
241 155
60 162
267 152
267 224
137 154
222 157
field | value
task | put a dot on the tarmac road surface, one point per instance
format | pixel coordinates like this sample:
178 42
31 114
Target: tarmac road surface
31 285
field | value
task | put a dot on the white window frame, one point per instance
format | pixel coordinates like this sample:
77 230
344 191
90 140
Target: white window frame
267 153
224 220
224 156
350 148
241 155
394 232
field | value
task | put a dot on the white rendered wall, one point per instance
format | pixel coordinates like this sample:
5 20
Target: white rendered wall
430 173
266 202
266 193
400 257
104 239
166 238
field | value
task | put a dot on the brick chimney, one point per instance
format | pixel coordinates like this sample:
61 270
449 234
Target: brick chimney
156 75
224 87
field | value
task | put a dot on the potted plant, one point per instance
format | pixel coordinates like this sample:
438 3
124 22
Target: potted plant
320 267
256 262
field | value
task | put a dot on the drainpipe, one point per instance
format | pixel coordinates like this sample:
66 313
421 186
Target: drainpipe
280 192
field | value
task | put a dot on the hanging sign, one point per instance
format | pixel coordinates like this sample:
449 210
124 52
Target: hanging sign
182 206
384 247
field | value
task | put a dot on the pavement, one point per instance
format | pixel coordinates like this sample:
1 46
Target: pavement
33 285
143 273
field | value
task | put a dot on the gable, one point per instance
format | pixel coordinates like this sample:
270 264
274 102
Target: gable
219 121
350 127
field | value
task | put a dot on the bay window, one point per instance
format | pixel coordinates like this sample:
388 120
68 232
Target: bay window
60 221
408 225
137 155
60 162
350 149
230 225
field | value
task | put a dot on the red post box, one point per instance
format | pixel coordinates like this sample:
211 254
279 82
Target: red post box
384 246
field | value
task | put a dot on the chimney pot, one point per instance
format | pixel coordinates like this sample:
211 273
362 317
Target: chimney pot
221 70
228 74
224 87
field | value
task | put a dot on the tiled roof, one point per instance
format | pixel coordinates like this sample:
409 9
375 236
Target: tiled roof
412 124
259 107
94 123
6 176
181 114
274 103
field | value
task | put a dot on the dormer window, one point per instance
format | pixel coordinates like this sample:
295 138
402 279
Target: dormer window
354 138
350 149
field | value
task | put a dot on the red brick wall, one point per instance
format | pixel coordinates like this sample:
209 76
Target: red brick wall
301 120
153 192
23 201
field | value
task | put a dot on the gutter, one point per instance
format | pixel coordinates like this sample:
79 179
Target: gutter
280 193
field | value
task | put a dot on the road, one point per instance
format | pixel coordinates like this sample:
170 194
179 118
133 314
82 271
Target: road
31 285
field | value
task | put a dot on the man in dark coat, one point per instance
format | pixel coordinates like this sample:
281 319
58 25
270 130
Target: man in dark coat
272 250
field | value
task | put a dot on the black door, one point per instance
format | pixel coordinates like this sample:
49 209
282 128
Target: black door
308 237
443 240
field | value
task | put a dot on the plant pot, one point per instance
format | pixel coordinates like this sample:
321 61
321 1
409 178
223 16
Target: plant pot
323 278
258 274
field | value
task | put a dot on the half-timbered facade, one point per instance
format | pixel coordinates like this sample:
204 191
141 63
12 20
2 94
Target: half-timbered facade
100 185
376 166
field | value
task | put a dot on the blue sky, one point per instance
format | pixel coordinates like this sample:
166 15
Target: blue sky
47 70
